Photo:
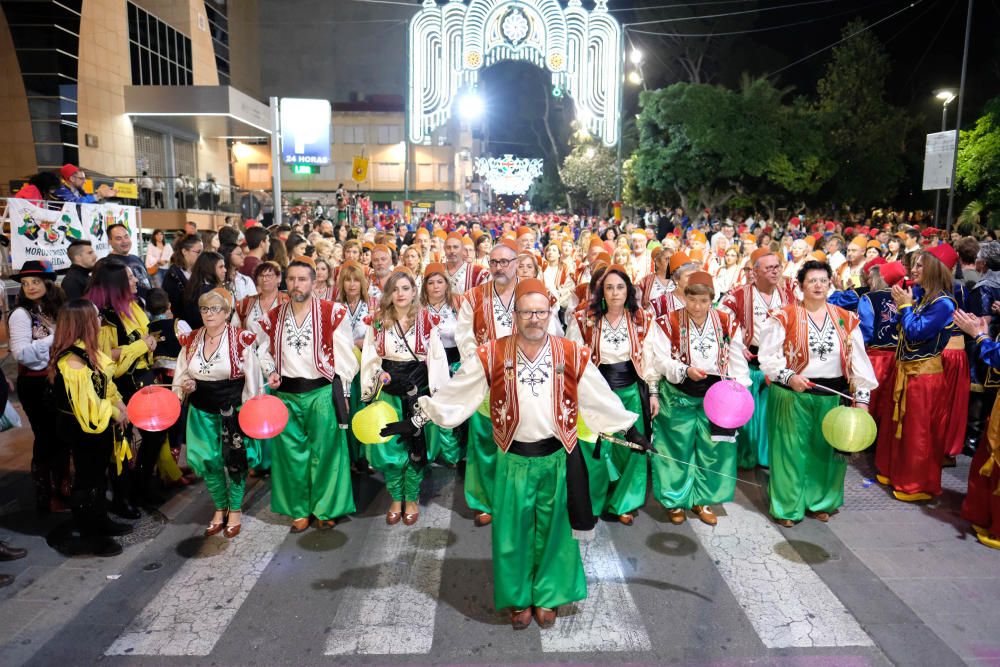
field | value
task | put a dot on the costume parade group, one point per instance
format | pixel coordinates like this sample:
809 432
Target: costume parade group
563 391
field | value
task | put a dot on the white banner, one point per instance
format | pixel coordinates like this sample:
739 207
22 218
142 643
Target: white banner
939 156
97 218
39 233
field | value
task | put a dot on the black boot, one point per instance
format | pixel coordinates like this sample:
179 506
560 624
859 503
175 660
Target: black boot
42 478
8 552
121 487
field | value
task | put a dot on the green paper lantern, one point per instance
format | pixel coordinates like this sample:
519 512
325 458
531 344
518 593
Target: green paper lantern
849 430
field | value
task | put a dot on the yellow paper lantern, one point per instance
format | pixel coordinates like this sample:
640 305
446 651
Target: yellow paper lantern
583 431
484 407
368 422
849 430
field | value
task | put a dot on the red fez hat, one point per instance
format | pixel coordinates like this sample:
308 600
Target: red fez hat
892 272
945 254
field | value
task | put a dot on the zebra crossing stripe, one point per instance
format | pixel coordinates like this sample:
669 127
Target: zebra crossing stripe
395 614
608 620
194 608
785 600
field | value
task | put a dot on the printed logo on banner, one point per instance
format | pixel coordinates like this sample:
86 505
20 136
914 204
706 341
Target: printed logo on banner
41 233
98 217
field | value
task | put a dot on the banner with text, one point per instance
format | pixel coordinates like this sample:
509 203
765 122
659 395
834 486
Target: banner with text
42 233
39 233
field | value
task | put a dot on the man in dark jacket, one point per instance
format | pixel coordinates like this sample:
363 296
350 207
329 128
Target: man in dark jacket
83 258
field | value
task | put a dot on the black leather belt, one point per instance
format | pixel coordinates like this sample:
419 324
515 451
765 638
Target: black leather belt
837 384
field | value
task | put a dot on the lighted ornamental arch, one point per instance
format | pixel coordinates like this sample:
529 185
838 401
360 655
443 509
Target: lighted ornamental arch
451 43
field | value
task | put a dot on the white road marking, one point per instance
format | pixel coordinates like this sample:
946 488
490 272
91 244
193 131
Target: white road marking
608 620
194 608
784 599
394 614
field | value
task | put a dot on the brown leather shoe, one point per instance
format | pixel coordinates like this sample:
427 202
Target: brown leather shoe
821 516
484 519
325 524
232 531
545 618
299 525
410 519
784 523
626 519
519 620
677 516
216 528
706 514
392 518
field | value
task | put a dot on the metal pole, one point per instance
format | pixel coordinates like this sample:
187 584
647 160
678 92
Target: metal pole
958 120
937 196
621 124
406 120
276 159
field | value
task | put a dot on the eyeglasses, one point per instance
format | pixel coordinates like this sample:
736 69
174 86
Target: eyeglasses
817 281
214 310
500 263
533 314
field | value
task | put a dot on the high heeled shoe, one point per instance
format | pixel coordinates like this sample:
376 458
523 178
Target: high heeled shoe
216 528
232 530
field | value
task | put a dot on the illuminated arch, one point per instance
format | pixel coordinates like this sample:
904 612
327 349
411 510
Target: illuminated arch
450 44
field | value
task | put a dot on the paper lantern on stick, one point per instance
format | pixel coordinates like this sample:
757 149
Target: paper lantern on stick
583 431
263 417
728 404
484 407
369 422
154 409
849 430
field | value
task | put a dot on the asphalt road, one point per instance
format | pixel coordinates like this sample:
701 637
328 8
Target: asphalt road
882 583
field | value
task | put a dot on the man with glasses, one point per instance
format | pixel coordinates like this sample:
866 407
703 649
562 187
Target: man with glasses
750 305
71 189
487 313
541 495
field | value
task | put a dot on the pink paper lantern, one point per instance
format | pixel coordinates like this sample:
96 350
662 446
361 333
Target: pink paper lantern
728 404
154 409
263 417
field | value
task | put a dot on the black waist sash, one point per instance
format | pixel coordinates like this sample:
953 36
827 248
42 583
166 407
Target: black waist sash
623 374
408 381
581 511
453 355
214 396
755 361
301 385
407 377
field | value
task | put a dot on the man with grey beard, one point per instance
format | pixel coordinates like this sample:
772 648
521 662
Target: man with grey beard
535 383
310 347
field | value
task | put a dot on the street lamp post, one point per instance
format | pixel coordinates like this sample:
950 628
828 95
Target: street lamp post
946 97
958 121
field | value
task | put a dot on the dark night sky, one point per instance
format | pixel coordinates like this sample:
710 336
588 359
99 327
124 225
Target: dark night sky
924 43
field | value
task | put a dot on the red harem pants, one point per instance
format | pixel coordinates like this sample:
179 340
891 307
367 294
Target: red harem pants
912 461
957 382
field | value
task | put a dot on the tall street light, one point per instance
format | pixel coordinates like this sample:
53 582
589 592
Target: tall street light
958 121
946 97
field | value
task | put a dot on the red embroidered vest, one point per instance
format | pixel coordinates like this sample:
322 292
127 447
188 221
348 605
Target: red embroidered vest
424 323
638 329
795 320
740 303
499 359
480 298
326 317
676 325
239 340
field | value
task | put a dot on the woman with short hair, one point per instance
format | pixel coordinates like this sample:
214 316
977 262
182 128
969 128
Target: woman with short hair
805 347
217 371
